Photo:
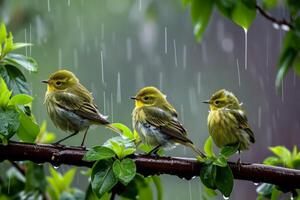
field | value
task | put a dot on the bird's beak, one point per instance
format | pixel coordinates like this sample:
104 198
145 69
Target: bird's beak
133 97
206 101
45 81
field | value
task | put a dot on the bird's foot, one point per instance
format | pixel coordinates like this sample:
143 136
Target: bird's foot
239 164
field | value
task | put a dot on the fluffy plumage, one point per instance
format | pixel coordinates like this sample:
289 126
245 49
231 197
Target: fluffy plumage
70 105
227 121
155 119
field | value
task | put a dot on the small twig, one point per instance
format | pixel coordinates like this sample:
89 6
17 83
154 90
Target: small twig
272 19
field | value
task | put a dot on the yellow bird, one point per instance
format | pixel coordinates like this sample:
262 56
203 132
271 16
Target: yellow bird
156 121
227 121
71 106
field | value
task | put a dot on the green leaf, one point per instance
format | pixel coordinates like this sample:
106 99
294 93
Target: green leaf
125 130
20 99
8 44
99 153
265 190
126 142
28 129
272 160
282 152
229 150
124 170
275 194
68 177
21 61
118 148
285 63
129 151
5 94
296 65
208 147
243 15
35 177
103 178
158 186
221 161
20 45
208 175
138 188
201 11
3 33
269 4
90 195
226 7
15 80
9 119
186 2
224 180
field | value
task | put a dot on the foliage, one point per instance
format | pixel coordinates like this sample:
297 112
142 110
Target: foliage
10 63
59 186
243 13
115 168
285 158
215 173
14 93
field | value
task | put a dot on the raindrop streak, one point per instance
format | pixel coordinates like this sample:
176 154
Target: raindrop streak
238 71
190 191
75 54
160 80
8 186
69 2
282 94
294 79
102 67
166 41
204 53
246 47
175 53
25 32
224 197
49 9
129 48
140 5
102 31
184 57
259 116
59 58
181 113
199 83
104 103
111 107
119 89
30 39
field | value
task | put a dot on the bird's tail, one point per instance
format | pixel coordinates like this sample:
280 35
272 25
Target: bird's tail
196 150
114 129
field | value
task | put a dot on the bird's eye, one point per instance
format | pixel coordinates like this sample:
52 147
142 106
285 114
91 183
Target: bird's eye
146 98
58 83
217 102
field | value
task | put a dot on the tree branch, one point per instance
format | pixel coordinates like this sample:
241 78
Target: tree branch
272 19
148 165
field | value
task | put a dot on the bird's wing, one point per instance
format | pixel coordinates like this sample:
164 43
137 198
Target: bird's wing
167 123
243 122
80 106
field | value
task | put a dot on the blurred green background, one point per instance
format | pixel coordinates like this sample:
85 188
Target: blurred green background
116 47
